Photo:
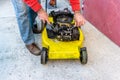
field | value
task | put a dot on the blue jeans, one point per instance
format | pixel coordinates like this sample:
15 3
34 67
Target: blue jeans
25 18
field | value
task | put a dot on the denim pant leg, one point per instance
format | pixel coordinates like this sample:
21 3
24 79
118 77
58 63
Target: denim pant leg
24 21
32 15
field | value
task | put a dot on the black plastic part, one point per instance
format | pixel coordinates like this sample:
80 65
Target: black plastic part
61 14
44 55
83 55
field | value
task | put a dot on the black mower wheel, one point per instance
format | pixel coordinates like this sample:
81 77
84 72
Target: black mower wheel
83 55
44 56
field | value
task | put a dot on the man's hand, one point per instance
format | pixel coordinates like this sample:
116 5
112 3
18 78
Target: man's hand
79 19
43 16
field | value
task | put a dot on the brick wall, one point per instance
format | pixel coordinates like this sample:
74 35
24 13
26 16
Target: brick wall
105 15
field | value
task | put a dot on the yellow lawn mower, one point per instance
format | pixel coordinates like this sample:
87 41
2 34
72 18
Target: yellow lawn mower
61 39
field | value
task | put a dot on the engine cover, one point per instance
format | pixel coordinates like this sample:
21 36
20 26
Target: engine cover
62 28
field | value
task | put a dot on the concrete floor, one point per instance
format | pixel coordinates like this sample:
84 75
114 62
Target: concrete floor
16 62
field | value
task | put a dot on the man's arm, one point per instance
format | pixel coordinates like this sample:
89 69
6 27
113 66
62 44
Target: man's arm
79 19
75 4
34 4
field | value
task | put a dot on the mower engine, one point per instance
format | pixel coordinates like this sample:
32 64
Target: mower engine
62 28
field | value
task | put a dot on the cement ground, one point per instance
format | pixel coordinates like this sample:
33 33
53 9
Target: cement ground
16 62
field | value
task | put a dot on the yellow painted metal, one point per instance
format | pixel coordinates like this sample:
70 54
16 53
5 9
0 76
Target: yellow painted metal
62 49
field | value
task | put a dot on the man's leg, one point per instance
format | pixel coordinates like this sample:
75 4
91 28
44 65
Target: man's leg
32 15
24 20
33 21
